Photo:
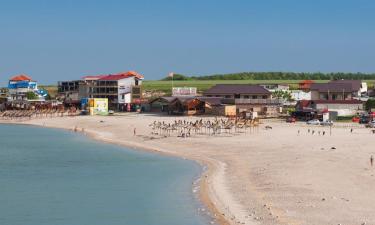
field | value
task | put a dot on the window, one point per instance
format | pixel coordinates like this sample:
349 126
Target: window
227 96
254 97
246 96
264 96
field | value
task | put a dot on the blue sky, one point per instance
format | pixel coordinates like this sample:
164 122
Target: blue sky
55 40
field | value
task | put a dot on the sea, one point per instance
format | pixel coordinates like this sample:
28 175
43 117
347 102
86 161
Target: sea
56 177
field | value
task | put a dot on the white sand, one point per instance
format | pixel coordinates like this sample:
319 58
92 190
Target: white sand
266 176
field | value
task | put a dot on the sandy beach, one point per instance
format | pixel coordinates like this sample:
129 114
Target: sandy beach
273 176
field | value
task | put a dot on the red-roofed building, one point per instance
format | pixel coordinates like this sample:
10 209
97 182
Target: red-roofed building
123 90
21 77
305 85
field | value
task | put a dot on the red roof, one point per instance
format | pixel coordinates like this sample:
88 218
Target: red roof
93 77
21 77
117 76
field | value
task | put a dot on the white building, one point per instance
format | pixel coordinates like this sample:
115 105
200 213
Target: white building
19 86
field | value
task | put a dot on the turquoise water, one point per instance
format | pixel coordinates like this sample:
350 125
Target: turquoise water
54 177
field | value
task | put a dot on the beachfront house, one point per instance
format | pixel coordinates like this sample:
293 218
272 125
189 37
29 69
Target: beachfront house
21 88
191 105
246 98
123 90
339 96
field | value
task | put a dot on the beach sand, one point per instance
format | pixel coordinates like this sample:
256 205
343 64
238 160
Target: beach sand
273 176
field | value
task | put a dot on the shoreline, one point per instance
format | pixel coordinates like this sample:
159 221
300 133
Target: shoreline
204 194
286 175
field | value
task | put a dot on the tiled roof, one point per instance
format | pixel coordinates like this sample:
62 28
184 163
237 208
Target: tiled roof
237 89
333 87
120 76
117 76
21 77
211 100
356 84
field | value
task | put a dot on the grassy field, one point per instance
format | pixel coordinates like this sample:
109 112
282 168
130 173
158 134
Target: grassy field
203 85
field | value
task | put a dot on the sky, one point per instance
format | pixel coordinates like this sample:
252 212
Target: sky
53 40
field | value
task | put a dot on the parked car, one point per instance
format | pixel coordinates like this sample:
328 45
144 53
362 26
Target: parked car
364 120
371 124
327 123
290 120
111 112
313 122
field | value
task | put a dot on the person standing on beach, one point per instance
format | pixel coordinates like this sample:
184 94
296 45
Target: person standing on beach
372 161
135 131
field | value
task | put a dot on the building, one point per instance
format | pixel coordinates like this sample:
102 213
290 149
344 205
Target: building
339 96
299 95
123 90
305 85
185 105
275 87
247 98
336 90
23 88
68 92
238 91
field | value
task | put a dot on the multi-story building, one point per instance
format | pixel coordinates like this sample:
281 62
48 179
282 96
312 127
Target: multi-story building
21 87
339 96
123 90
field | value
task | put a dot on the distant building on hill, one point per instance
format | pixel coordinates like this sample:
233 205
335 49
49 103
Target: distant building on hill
23 88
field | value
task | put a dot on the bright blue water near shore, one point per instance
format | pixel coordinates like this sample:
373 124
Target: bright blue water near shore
54 177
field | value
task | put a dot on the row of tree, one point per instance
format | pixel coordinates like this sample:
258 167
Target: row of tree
278 76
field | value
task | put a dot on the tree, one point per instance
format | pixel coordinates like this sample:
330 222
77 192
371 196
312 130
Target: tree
370 104
31 95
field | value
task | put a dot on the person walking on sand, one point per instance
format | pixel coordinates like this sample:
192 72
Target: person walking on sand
135 131
372 161
351 130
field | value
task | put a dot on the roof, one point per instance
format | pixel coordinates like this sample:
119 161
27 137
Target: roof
21 77
117 76
211 100
333 87
356 84
93 77
120 76
237 89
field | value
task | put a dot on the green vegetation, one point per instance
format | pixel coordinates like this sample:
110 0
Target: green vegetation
370 104
31 95
344 118
282 95
277 76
